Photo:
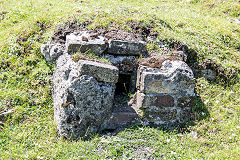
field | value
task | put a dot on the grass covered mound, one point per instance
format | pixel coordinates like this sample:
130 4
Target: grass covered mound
207 29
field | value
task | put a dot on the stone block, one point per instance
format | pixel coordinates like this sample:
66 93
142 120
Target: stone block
154 100
81 103
118 47
102 72
174 77
51 52
185 101
125 64
181 54
82 43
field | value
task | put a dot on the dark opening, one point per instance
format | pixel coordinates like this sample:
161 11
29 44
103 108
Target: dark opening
122 111
121 99
123 84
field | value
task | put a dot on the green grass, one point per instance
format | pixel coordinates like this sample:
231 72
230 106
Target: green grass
25 78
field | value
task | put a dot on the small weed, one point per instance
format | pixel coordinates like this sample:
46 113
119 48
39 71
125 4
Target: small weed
89 56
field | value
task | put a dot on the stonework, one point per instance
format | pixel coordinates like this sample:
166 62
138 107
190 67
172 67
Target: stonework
102 72
81 102
91 96
84 44
164 93
118 47
173 77
155 100
125 64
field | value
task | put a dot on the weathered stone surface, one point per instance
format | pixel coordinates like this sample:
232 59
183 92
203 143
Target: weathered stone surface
102 72
173 77
156 100
82 43
118 47
51 52
185 101
124 63
81 103
159 116
164 93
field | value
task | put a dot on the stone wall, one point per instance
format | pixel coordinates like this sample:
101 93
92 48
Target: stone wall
91 96
165 95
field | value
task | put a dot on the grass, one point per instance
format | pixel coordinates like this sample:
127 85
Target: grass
25 79
89 56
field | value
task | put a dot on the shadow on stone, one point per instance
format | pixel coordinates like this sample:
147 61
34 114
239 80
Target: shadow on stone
198 113
91 97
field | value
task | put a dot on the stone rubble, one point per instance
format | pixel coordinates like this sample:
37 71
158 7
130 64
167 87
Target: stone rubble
84 92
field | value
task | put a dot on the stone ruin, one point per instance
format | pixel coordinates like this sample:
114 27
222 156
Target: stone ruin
90 96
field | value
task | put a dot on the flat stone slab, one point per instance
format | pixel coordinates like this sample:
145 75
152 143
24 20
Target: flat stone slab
123 63
84 44
51 52
102 72
174 77
118 47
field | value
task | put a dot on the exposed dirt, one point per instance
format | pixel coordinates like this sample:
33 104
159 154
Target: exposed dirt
138 32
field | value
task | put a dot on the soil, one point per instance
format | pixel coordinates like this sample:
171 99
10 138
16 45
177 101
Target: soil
138 32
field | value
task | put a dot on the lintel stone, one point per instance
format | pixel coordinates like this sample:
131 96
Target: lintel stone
125 64
102 72
119 47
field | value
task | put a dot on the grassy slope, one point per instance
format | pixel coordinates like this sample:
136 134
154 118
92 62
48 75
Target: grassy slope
25 82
